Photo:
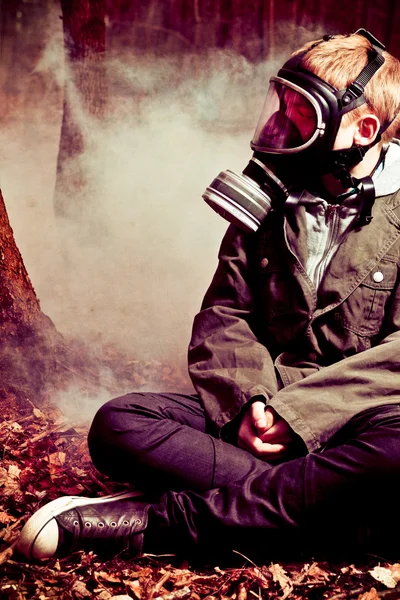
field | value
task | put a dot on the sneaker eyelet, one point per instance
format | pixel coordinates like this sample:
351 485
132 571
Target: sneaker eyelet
88 525
138 521
126 522
113 524
76 523
100 524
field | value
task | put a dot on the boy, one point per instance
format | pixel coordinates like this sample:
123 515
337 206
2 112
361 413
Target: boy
294 430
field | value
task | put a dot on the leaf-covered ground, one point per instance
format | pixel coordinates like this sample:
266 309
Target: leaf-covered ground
44 455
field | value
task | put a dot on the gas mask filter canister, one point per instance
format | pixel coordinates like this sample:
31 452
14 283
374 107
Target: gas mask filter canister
246 199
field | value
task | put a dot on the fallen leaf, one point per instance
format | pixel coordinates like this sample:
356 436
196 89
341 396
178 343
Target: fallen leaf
135 587
80 590
384 575
5 518
178 595
103 595
107 576
16 427
371 595
395 570
8 483
79 472
260 577
14 471
316 574
242 592
38 414
280 576
57 458
41 494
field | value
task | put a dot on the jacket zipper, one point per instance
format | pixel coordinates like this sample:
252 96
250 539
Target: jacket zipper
331 242
300 266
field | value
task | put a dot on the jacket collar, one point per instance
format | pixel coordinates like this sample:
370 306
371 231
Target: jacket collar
356 257
387 176
359 254
363 248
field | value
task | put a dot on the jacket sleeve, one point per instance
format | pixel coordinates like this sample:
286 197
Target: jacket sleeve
227 364
317 406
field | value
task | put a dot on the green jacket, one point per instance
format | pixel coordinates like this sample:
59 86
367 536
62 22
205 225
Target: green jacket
317 358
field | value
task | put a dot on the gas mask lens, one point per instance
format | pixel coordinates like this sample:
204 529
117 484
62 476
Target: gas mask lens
290 120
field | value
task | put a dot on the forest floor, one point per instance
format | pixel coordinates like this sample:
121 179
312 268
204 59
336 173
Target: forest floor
44 455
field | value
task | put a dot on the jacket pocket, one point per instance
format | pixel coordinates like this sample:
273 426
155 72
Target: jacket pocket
363 311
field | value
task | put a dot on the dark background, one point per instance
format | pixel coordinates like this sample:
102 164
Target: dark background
253 28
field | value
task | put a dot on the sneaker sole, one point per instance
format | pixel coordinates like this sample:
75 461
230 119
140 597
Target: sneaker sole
41 518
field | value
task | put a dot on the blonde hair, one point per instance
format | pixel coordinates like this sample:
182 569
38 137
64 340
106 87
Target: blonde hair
341 59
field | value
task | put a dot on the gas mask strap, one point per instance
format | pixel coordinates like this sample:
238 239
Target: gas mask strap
367 192
339 163
353 96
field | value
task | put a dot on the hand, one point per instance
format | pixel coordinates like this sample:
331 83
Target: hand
264 433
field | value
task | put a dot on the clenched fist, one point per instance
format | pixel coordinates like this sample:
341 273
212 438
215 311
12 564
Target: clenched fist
264 433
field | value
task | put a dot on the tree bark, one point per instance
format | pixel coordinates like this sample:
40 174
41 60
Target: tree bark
19 307
85 96
28 338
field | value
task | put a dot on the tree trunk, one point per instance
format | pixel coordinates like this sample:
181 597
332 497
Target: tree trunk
28 338
85 94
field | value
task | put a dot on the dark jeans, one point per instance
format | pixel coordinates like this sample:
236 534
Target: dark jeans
208 494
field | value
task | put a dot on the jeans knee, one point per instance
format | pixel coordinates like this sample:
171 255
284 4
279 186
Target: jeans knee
383 436
99 434
108 422
120 426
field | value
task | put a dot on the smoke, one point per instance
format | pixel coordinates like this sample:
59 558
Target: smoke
138 279
131 274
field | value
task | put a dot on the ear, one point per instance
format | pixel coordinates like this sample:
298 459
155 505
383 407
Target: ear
366 130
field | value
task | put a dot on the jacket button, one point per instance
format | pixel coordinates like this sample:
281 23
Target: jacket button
377 277
264 263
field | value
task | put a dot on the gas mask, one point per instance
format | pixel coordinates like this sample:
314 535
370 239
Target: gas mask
297 130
